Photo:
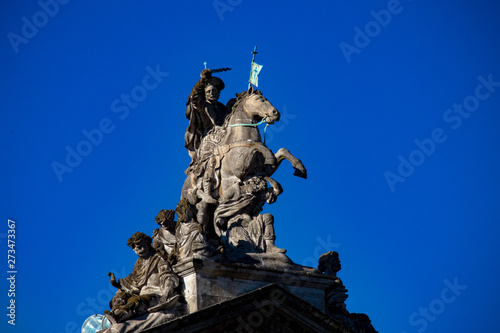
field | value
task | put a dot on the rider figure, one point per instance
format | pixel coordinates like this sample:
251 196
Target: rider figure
204 111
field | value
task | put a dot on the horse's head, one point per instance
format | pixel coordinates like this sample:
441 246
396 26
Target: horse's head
259 107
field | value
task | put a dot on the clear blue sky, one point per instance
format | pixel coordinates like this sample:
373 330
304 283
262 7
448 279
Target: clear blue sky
393 106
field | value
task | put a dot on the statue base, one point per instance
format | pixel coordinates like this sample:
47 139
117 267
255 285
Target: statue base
270 295
207 282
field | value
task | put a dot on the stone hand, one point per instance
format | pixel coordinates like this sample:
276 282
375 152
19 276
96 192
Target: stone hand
271 195
134 301
206 74
113 281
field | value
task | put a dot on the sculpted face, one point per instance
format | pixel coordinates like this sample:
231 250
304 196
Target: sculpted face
142 249
164 223
211 94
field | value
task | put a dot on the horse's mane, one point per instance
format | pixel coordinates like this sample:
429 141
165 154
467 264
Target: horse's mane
235 102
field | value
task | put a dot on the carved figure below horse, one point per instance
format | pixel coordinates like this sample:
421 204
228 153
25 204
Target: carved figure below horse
233 153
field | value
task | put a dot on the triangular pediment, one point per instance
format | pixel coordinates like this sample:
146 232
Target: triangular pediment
267 309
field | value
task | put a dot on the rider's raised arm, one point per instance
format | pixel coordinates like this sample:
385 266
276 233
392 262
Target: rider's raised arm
197 96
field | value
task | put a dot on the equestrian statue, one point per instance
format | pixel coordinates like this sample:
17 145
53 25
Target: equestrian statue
229 178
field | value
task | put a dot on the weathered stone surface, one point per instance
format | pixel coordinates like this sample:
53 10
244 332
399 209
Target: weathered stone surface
336 294
208 282
245 298
164 237
145 322
264 310
227 179
151 287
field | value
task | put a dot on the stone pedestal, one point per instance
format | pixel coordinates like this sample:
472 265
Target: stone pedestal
206 283
274 295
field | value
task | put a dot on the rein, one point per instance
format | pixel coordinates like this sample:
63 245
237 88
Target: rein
253 125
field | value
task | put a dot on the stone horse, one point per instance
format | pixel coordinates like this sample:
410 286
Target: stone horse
230 155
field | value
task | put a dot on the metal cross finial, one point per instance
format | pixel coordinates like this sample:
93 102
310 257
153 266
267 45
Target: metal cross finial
254 53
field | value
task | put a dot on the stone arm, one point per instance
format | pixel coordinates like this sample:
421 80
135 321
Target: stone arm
168 279
113 281
197 96
274 191
128 283
195 112
135 301
127 287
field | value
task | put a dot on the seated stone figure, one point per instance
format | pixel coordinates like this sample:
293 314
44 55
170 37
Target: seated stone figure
164 237
190 235
151 286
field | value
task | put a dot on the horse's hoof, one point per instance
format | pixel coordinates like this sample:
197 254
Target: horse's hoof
300 173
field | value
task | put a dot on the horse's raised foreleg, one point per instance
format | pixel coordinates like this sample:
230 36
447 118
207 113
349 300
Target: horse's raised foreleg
284 154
